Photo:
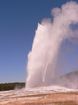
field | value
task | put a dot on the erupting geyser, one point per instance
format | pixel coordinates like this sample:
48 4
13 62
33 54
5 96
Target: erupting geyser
50 34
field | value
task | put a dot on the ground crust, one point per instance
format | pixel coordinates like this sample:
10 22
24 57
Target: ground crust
70 98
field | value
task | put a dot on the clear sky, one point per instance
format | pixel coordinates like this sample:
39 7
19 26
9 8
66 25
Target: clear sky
18 22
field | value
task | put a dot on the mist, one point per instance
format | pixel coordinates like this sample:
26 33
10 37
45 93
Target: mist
42 66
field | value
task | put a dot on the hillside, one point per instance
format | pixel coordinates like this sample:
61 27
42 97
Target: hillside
69 80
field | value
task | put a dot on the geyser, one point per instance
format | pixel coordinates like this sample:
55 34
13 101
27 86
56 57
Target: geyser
50 34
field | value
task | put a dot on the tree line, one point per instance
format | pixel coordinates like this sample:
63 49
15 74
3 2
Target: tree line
11 86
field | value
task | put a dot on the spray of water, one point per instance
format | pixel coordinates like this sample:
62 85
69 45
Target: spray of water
49 36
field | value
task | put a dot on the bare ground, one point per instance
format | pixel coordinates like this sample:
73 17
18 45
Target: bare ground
44 99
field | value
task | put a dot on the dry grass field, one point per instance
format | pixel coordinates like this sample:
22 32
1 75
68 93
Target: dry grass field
44 99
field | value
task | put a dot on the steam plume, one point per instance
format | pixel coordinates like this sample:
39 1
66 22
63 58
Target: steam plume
49 36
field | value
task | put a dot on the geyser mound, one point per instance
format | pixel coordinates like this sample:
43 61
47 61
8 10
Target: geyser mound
42 59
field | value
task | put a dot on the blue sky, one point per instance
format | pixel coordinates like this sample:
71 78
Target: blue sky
18 22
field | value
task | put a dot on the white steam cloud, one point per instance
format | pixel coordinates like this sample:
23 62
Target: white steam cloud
49 36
